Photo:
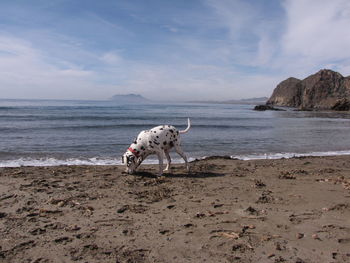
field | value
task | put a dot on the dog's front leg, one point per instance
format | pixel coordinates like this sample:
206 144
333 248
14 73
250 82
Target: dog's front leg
168 159
160 158
138 162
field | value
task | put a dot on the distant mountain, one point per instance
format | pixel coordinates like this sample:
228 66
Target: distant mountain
325 90
129 98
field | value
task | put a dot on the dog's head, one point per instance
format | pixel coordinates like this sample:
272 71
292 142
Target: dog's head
131 162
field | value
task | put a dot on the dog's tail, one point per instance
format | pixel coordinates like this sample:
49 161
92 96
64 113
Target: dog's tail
188 127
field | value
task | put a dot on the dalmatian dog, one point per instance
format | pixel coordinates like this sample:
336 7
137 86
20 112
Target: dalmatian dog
158 140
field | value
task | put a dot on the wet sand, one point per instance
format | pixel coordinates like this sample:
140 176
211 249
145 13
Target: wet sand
289 210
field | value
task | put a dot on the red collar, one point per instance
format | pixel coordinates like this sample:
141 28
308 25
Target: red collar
134 152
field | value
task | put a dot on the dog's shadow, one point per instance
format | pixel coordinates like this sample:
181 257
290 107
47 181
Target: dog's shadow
180 175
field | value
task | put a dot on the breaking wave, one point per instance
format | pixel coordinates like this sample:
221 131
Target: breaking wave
273 156
117 161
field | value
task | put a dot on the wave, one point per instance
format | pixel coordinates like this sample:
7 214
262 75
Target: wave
39 162
6 108
73 127
111 116
58 162
276 156
117 161
273 156
133 125
36 117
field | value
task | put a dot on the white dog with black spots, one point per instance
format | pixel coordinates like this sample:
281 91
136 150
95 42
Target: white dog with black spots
158 140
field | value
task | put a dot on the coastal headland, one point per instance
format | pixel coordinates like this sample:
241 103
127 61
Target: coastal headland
287 210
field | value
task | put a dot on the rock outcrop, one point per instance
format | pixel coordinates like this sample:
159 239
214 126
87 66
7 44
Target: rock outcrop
287 93
341 105
325 90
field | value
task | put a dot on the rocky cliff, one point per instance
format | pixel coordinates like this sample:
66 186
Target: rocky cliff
321 91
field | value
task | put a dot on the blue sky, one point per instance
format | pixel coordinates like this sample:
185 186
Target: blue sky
167 49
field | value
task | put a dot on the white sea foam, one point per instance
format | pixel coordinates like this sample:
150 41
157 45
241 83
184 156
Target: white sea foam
273 156
71 161
56 162
116 161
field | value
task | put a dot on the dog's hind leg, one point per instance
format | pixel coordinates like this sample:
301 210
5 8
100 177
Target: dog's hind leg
160 158
168 159
182 154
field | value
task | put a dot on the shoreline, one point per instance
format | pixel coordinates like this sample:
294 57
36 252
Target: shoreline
100 161
291 210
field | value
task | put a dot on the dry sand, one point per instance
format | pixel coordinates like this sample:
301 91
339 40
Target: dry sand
291 210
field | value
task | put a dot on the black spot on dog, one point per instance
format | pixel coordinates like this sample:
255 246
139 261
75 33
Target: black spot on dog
135 142
164 143
157 136
149 142
155 142
142 148
171 130
177 132
155 132
161 128
168 126
171 144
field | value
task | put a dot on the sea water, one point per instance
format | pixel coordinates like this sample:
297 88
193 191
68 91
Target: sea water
46 132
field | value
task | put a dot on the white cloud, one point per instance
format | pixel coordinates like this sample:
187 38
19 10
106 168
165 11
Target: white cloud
187 66
310 35
112 58
318 29
235 49
316 34
25 73
171 28
251 33
196 82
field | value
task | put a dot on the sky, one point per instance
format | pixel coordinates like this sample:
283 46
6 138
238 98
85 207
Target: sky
174 50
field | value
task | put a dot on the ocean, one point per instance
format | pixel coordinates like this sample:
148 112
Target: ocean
47 132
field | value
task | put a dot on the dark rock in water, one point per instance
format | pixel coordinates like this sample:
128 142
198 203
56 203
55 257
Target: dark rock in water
266 107
324 90
341 105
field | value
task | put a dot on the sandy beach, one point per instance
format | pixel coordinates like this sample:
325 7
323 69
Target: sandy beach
288 210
